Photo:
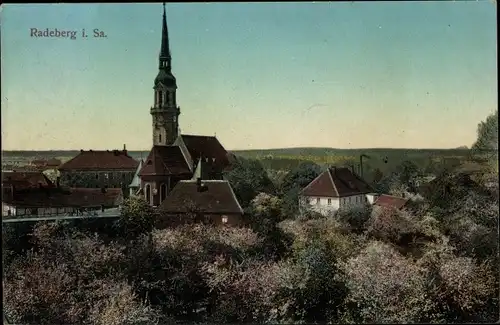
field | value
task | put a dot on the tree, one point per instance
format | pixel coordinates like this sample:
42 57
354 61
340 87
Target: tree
487 134
137 217
248 178
294 182
386 287
407 173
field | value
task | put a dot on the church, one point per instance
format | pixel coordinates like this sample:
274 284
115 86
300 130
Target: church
176 158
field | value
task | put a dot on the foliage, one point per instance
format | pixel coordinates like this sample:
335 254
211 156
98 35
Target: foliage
293 183
386 287
136 217
487 134
248 178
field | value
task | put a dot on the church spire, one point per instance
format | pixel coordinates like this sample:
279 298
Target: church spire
165 48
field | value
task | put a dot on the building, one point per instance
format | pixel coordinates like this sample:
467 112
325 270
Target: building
335 189
33 194
164 167
174 156
390 202
209 201
99 169
59 201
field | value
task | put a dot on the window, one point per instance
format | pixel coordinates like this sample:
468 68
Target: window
148 194
329 201
160 98
163 192
159 138
317 200
96 175
224 219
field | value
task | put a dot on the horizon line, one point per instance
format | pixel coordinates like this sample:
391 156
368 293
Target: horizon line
259 149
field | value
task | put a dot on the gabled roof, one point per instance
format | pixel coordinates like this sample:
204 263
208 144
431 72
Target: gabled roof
337 182
216 197
163 161
205 146
101 160
390 201
25 180
74 197
136 182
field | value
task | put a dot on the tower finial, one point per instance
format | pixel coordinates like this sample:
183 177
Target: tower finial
165 48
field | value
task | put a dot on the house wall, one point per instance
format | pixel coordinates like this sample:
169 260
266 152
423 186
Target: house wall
46 211
97 179
155 182
154 193
328 205
172 220
371 198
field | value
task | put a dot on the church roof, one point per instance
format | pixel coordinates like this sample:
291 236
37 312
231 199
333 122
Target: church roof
336 182
101 160
206 146
136 182
214 196
165 160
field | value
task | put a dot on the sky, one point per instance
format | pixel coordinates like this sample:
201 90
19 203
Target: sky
257 75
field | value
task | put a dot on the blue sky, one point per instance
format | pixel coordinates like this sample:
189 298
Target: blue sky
258 75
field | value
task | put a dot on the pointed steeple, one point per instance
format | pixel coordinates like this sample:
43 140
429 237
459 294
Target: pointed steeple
165 48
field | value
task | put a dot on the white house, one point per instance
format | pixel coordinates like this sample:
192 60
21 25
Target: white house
336 189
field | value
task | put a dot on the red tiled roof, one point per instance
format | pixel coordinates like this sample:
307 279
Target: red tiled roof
165 160
74 197
337 182
25 180
389 201
217 197
101 160
206 146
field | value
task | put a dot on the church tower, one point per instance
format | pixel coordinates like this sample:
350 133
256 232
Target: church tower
165 111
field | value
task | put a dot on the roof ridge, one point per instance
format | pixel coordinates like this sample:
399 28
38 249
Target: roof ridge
333 183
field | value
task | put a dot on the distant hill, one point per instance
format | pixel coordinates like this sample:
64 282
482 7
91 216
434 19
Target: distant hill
319 152
306 151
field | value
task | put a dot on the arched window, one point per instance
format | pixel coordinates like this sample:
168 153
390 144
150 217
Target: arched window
159 138
160 98
163 192
148 194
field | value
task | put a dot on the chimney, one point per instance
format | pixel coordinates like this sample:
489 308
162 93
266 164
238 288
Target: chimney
124 147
